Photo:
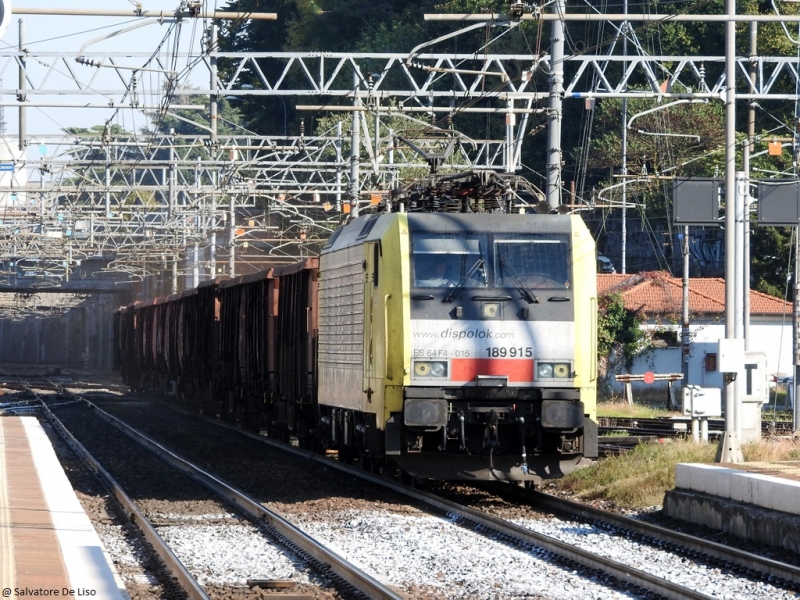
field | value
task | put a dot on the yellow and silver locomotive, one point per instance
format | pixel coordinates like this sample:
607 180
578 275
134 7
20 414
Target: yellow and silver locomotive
460 345
447 336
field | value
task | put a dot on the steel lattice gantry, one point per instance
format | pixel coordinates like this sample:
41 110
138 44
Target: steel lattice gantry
145 197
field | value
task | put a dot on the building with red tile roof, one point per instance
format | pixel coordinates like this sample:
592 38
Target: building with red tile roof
658 293
658 298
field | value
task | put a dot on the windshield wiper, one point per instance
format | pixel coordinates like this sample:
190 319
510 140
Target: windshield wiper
478 264
526 291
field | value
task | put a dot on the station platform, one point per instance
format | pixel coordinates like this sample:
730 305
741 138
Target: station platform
753 501
48 546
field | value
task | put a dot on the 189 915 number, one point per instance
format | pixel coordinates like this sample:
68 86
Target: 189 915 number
513 352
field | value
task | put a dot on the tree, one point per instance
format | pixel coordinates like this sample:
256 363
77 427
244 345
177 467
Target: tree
196 122
770 269
619 329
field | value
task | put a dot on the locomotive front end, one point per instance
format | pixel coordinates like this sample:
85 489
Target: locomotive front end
502 353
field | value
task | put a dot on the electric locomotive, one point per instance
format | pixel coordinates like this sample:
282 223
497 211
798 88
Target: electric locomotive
447 336
460 345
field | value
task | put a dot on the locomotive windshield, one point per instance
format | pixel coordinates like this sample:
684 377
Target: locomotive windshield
534 261
447 259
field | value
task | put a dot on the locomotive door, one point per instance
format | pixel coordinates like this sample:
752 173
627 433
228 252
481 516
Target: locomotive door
374 358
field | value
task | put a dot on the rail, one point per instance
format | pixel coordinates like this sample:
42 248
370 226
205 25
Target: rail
720 552
188 583
348 572
622 572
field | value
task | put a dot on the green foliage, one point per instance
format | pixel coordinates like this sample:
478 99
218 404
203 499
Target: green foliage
770 269
198 122
649 152
639 478
637 410
397 26
618 328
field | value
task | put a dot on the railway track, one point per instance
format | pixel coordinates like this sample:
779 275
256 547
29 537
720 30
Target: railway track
201 511
619 435
670 426
712 553
570 552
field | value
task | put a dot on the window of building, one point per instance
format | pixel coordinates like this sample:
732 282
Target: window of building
665 339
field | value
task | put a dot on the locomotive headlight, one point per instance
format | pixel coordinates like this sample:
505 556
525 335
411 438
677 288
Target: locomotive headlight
553 370
430 368
491 310
438 369
561 370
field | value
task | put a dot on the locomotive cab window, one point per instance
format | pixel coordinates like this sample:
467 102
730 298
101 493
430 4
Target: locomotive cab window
448 260
534 261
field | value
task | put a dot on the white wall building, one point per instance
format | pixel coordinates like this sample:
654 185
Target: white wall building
658 298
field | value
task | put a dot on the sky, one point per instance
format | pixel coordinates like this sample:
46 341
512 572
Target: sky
67 34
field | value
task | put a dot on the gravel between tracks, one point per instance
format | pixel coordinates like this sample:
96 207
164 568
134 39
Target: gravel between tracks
220 549
136 566
424 556
367 526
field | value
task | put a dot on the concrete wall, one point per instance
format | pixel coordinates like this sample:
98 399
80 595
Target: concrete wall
81 338
752 506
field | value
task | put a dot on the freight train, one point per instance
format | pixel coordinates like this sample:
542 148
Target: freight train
451 345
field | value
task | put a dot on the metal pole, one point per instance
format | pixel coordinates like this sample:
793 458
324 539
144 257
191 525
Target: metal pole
196 266
212 259
172 180
624 170
729 449
738 304
107 182
22 97
212 48
355 147
339 160
69 261
510 122
624 260
231 238
796 330
748 148
213 224
152 14
685 338
174 287
553 187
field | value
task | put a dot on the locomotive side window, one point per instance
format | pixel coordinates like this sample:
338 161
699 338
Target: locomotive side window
448 259
535 261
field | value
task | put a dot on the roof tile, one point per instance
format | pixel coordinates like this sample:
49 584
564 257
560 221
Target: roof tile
659 293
